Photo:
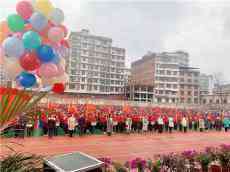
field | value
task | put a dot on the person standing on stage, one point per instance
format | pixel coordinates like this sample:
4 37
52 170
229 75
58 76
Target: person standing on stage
51 126
71 125
81 124
128 124
160 123
171 124
109 125
184 124
145 124
201 124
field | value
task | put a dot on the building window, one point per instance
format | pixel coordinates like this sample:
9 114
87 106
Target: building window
181 73
189 93
175 73
161 85
210 101
196 100
82 87
217 101
71 86
195 93
182 92
204 101
189 80
162 72
225 101
168 72
174 86
168 85
189 100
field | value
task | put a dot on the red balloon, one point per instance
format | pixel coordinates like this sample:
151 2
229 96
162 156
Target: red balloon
30 62
64 29
58 88
65 43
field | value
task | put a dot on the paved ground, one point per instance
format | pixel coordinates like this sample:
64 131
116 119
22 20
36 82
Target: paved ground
120 147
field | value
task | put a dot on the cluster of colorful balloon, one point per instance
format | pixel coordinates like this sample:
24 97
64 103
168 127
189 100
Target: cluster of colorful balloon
33 44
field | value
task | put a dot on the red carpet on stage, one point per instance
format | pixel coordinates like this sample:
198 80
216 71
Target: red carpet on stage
120 147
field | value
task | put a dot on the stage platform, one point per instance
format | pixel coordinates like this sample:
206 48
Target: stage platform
120 147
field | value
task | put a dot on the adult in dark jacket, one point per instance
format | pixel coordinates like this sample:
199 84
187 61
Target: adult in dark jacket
51 126
81 124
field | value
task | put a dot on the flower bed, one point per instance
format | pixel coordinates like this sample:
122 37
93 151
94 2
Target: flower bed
212 159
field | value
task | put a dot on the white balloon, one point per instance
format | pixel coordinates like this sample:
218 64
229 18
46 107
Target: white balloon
12 67
62 79
56 16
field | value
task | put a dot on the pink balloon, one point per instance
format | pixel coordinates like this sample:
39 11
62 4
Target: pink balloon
48 70
1 55
56 34
24 9
18 35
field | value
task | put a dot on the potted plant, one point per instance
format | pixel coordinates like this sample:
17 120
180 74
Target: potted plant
204 160
189 157
224 157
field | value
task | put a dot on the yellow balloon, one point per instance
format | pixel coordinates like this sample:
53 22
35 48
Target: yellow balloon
44 7
62 62
12 67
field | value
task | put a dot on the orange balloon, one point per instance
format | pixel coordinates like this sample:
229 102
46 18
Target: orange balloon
1 37
4 31
46 41
28 27
4 27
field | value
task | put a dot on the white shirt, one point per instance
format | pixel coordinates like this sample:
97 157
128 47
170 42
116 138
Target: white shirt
160 121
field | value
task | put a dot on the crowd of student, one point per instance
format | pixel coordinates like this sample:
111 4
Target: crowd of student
89 118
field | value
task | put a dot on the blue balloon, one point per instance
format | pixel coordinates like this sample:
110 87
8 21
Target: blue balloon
45 53
38 21
13 47
31 40
27 80
56 59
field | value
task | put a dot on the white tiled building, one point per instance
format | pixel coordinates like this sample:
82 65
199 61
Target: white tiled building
167 75
4 81
94 65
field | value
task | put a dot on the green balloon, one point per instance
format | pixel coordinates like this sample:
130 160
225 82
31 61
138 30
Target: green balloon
15 23
31 40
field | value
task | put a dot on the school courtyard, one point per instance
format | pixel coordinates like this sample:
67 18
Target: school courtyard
119 147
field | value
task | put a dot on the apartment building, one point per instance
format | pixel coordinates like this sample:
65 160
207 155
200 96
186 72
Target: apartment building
206 84
157 77
94 65
167 68
189 85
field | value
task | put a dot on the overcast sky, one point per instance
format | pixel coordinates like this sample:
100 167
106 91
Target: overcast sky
201 28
